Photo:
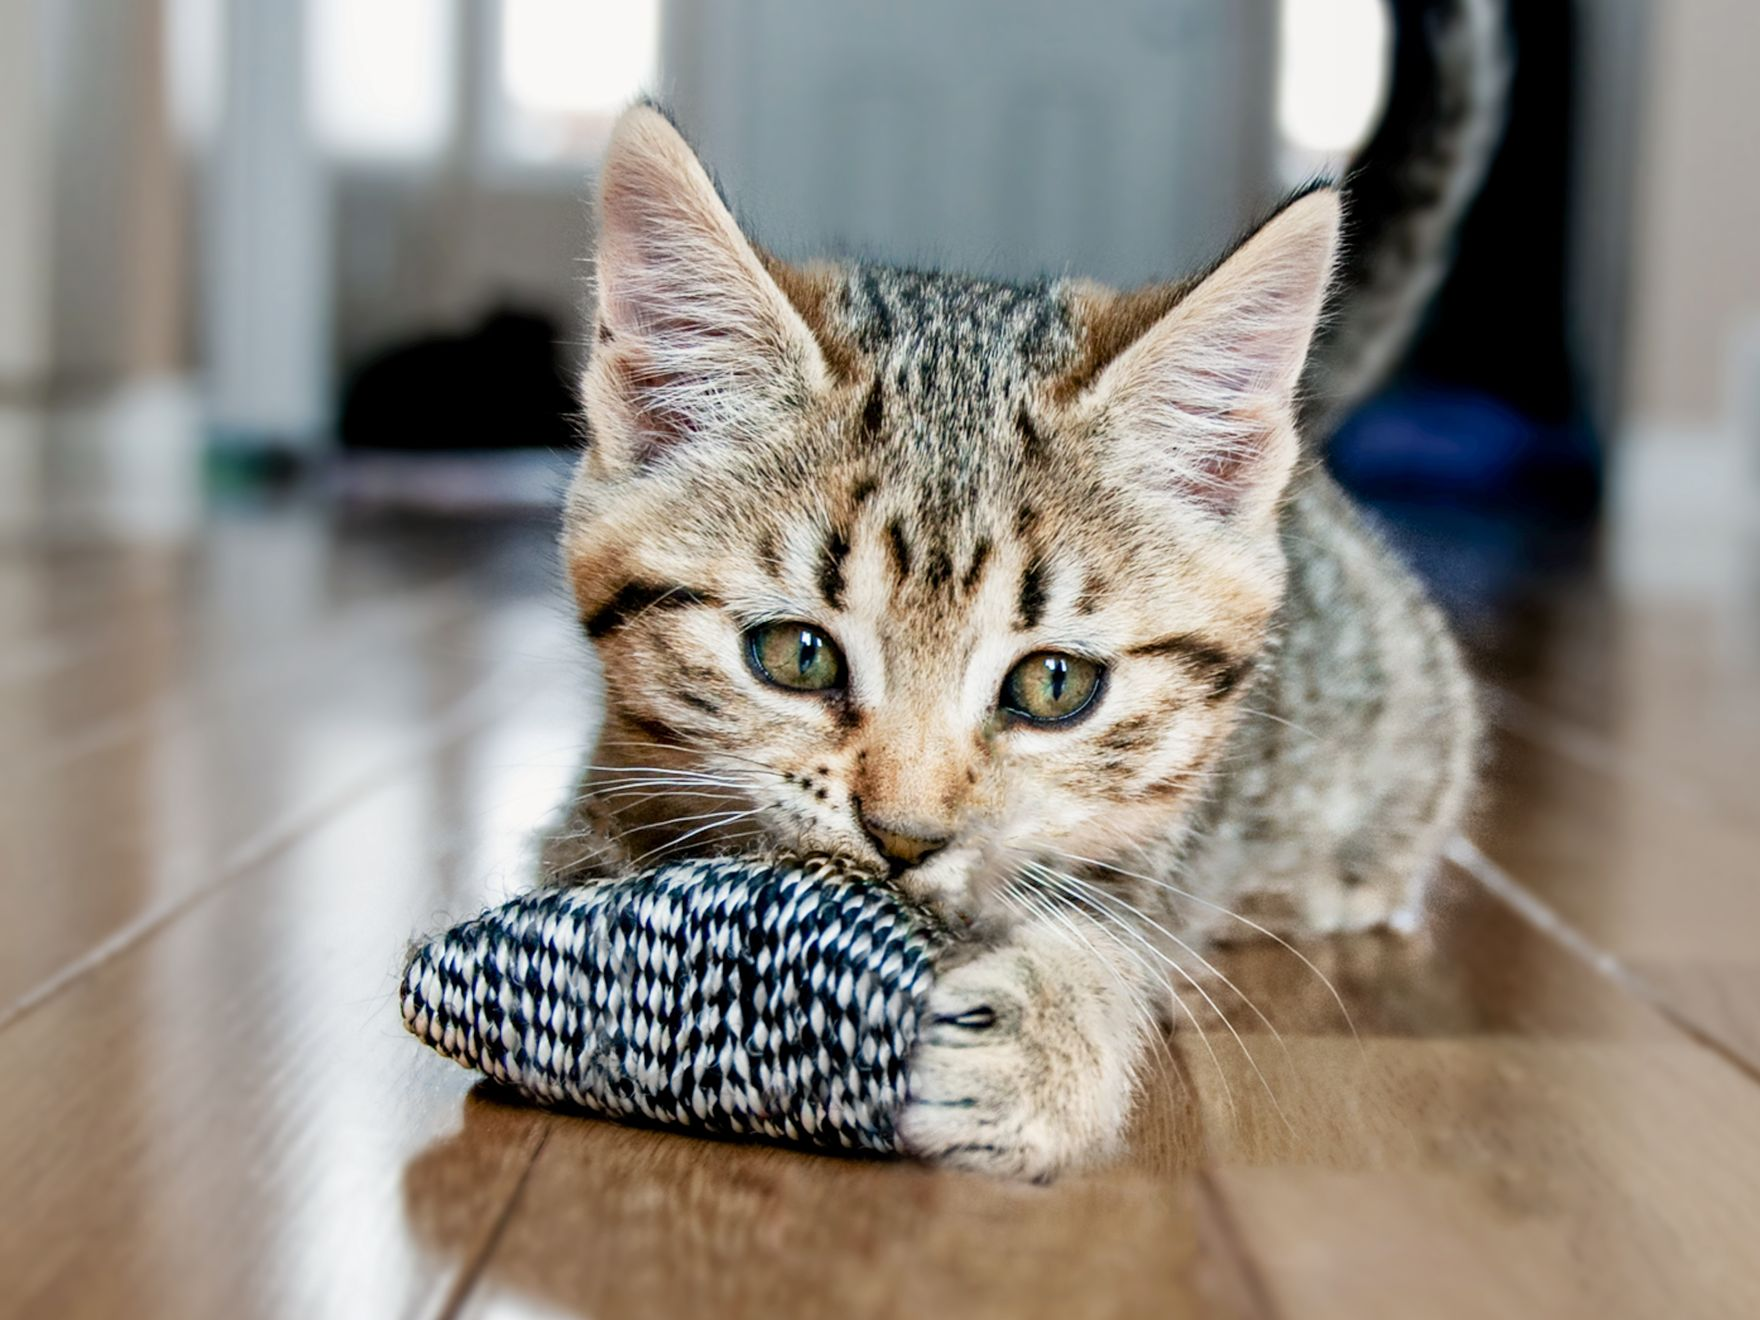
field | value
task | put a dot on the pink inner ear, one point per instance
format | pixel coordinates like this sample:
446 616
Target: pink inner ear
663 362
1217 477
1212 425
654 427
1202 403
1218 480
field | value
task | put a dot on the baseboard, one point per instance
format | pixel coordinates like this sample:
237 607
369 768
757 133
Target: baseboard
121 461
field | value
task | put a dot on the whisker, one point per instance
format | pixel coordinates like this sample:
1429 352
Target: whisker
1044 903
1278 719
1240 1042
1203 1036
654 781
643 795
1203 962
1156 926
1307 962
726 818
737 836
704 815
642 775
654 825
681 772
688 745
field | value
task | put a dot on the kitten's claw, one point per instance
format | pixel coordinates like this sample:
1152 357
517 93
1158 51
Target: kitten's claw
1022 1069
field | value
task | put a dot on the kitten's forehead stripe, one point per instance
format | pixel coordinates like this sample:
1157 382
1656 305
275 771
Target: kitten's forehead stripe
633 599
1093 588
873 412
831 559
1033 593
939 571
980 557
900 546
770 553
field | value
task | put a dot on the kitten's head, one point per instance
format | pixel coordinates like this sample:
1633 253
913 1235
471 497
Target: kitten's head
935 573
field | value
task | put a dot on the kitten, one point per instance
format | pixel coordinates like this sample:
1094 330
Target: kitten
1024 597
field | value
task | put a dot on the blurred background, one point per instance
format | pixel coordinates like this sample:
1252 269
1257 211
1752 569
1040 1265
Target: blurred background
341 246
338 250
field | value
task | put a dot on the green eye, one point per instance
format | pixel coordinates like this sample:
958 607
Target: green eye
795 655
1049 687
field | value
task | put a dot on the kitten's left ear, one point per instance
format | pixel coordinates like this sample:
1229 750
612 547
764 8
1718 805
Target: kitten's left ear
1201 405
696 344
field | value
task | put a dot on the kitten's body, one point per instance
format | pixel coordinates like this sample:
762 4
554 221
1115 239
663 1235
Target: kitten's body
1355 757
945 475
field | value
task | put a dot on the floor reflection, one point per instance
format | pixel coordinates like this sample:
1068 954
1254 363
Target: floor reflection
621 1221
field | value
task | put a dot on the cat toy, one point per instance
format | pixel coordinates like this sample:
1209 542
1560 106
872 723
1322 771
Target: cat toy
735 997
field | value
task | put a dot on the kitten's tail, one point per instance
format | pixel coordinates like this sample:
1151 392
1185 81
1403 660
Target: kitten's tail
1405 194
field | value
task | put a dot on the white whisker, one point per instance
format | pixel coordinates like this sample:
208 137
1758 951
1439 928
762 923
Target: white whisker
1307 962
1083 886
1222 1073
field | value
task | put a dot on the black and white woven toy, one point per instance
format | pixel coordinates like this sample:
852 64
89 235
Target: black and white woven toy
744 998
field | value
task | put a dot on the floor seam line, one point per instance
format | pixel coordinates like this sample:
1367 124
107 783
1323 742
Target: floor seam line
1467 855
252 853
465 1282
1257 1291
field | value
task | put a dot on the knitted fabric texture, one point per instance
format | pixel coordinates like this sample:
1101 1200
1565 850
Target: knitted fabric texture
744 998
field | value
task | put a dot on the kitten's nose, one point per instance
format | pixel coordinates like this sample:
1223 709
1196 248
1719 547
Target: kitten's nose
904 843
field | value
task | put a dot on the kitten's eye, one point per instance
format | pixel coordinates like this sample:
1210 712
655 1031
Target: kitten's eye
1049 687
795 655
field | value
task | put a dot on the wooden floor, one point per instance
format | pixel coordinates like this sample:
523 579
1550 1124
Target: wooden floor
238 776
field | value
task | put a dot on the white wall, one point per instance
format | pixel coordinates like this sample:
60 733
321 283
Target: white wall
1114 138
1697 268
95 431
24 212
1110 138
265 239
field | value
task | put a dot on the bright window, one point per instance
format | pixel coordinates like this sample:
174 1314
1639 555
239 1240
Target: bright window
566 68
1332 73
381 76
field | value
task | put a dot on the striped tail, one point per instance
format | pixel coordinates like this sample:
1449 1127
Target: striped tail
1406 192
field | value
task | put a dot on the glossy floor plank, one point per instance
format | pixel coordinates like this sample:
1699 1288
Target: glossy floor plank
240 774
214 1118
1668 888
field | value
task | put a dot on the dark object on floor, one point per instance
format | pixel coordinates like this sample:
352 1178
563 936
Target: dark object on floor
498 387
1466 448
736 998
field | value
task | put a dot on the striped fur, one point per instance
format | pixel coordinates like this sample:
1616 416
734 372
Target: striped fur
947 475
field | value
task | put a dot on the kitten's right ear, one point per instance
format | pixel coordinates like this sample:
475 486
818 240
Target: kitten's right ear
1200 408
695 343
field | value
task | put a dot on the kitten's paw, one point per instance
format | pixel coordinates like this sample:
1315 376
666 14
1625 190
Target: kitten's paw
1023 1068
1351 902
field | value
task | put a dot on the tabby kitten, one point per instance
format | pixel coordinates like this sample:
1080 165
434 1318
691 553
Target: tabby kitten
1022 597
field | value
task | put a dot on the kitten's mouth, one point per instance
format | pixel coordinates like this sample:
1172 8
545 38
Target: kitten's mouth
947 883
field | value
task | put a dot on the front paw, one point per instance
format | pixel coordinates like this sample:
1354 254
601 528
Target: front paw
1023 1068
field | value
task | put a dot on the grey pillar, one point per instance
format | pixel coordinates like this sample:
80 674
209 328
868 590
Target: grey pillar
264 255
